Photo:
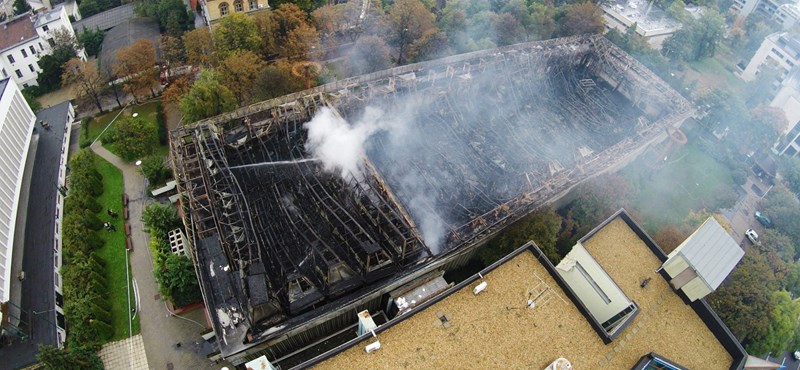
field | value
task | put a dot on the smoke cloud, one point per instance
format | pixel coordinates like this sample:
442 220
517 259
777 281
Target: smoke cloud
342 147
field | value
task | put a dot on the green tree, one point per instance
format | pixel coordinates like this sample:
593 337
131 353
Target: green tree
208 97
160 219
30 98
92 40
154 170
507 30
782 325
790 171
433 44
177 280
697 39
543 23
745 297
677 10
784 210
68 359
541 227
52 65
236 32
81 203
135 138
21 6
173 16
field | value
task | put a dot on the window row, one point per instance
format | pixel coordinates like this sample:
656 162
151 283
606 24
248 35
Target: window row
237 6
24 53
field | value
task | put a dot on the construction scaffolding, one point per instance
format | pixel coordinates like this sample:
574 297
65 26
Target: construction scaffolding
487 138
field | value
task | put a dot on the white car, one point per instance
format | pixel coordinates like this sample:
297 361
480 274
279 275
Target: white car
752 235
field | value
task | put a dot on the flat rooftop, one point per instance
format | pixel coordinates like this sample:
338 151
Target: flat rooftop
495 329
647 17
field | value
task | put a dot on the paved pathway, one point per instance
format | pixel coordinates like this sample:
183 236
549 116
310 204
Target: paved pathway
124 354
171 342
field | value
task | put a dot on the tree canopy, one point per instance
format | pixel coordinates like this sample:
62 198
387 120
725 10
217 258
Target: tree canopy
207 97
236 32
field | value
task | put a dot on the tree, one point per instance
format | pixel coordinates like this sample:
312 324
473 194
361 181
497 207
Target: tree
208 97
581 18
369 54
30 98
409 21
239 72
782 325
160 219
137 63
200 48
677 10
669 237
543 24
92 40
697 39
84 77
300 42
52 65
541 226
134 138
177 90
21 7
68 359
172 50
154 170
177 280
433 44
173 16
507 30
277 80
790 171
745 297
236 32
783 208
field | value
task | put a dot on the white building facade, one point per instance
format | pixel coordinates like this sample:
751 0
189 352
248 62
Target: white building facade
780 51
16 127
25 39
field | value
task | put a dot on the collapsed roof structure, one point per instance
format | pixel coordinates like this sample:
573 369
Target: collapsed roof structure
304 207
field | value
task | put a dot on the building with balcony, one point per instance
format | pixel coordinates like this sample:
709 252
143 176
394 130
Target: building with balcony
25 39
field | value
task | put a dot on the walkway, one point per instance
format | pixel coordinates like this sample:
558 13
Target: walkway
124 354
171 342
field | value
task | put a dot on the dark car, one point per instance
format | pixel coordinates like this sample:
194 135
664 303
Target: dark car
764 220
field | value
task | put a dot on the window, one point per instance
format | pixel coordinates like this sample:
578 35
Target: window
51 42
223 9
19 74
31 68
45 28
25 86
5 74
237 4
40 46
24 53
33 51
11 59
253 4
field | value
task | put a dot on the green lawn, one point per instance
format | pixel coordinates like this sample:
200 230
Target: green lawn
147 111
690 180
713 67
113 253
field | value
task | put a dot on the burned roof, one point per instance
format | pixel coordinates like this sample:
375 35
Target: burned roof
339 189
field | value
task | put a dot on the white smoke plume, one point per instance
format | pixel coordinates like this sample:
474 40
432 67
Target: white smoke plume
342 147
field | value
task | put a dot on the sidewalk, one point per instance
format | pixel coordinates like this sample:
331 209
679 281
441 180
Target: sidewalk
170 342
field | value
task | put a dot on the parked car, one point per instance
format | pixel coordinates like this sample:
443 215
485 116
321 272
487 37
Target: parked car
764 220
752 235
